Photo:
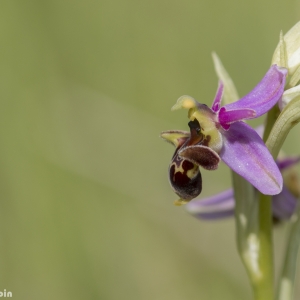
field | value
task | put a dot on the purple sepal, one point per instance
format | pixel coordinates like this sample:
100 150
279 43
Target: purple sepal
227 117
222 205
216 215
246 154
283 204
216 207
288 162
260 130
217 102
212 200
265 95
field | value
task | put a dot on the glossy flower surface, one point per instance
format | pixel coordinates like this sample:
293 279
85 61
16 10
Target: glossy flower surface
222 205
219 133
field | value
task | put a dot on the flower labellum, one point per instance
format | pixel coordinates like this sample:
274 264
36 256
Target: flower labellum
184 174
219 133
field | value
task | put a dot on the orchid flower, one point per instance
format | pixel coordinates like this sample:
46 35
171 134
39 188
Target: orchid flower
219 133
222 205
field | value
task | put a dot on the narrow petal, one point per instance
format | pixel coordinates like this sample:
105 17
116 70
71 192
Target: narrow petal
202 156
265 95
175 137
222 205
217 102
287 162
283 205
227 117
246 154
218 206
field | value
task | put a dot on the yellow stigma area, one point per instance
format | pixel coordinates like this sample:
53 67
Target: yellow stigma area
192 172
186 102
206 118
208 128
180 202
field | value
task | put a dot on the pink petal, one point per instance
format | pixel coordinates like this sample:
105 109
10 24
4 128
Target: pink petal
217 102
217 206
265 95
227 117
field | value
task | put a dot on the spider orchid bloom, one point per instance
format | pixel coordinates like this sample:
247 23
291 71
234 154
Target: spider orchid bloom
218 133
222 205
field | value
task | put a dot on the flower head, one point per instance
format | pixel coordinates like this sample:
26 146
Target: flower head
222 205
219 133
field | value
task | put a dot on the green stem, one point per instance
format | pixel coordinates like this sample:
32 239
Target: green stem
287 119
254 222
264 288
272 116
287 280
254 236
265 284
254 229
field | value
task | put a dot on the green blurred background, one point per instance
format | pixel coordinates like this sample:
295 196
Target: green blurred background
86 87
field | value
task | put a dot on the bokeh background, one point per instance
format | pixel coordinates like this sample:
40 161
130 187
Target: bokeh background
86 87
